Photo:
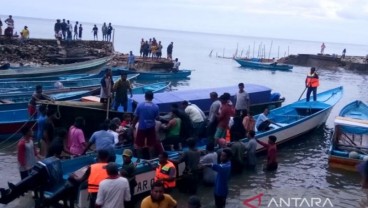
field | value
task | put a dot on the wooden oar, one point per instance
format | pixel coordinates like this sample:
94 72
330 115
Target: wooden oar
302 93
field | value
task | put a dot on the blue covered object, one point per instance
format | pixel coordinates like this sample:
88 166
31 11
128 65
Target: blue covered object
201 97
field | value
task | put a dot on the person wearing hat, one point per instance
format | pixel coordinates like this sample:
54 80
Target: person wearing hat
114 190
25 33
128 171
271 153
106 86
121 88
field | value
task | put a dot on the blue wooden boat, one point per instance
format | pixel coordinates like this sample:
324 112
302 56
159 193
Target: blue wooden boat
300 117
63 77
80 67
52 175
349 140
154 75
154 87
263 65
9 86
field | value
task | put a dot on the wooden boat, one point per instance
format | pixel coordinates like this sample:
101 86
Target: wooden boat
299 117
11 121
263 65
80 67
349 141
9 86
52 175
181 74
154 87
63 77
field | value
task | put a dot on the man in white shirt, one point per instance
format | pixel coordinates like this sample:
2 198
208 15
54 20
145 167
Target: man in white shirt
197 117
176 65
242 101
114 190
209 175
263 122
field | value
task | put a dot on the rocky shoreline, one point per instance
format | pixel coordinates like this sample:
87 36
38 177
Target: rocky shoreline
327 61
45 52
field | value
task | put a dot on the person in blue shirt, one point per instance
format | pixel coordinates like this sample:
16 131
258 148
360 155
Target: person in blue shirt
104 140
41 122
131 60
223 175
263 122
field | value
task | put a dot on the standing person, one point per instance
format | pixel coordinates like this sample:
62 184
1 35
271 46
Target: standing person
1 27
80 31
223 175
131 60
25 33
159 50
58 144
190 176
362 168
106 86
64 28
251 148
104 31
242 103
172 130
323 46
48 133
104 140
114 190
166 172
95 32
170 50
226 111
10 22
209 175
57 27
41 119
94 175
108 33
158 199
271 153
128 172
76 140
312 82
69 30
343 53
27 154
238 150
249 123
212 120
146 113
145 50
141 48
76 31
36 96
197 117
121 87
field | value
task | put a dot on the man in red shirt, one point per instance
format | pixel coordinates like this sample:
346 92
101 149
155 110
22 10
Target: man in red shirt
223 117
271 153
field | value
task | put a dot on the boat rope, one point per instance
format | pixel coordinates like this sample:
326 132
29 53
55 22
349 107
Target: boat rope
58 115
15 133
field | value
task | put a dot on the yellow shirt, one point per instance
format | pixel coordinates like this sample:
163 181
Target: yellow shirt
167 202
25 33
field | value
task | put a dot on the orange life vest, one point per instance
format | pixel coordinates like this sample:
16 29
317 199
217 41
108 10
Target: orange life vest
97 174
312 80
164 172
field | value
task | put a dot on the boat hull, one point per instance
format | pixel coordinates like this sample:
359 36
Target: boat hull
261 65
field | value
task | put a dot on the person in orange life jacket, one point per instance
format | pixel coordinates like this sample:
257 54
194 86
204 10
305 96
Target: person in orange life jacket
312 82
95 174
166 172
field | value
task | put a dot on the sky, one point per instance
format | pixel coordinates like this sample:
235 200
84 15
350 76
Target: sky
342 21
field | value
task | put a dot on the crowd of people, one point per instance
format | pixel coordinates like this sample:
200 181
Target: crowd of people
153 48
186 125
